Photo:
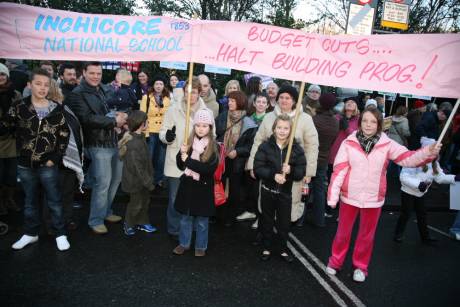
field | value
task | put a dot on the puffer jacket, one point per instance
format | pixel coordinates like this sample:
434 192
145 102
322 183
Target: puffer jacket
343 134
269 161
38 141
123 100
90 105
412 177
137 165
307 137
359 179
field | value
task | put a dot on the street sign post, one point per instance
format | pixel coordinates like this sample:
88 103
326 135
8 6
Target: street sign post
361 15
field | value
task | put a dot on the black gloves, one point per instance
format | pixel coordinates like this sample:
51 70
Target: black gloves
170 135
422 187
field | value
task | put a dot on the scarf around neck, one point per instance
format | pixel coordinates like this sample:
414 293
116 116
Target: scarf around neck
234 125
198 147
367 143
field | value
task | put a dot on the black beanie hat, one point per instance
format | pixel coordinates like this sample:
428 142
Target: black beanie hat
159 78
327 101
292 91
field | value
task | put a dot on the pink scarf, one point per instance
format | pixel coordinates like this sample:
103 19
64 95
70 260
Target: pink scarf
198 147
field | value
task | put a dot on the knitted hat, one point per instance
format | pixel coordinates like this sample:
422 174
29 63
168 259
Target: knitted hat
159 78
424 141
371 102
289 90
4 70
419 104
204 116
327 101
314 87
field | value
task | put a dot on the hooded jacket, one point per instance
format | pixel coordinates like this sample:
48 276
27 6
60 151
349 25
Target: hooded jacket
37 141
399 130
137 165
359 179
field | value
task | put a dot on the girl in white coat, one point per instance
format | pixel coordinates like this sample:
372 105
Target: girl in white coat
415 183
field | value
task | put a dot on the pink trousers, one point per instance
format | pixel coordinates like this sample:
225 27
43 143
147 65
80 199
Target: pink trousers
364 244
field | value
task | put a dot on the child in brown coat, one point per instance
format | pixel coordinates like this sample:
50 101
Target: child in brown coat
137 174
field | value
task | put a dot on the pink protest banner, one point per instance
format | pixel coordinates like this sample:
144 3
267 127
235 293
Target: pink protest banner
425 64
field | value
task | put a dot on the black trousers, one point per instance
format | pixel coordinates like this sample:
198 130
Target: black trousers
418 204
68 185
277 205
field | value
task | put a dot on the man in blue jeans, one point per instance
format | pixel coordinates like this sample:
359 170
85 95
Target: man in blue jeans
89 102
42 136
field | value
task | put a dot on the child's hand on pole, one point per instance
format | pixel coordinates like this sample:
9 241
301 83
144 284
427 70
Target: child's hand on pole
435 149
280 178
286 168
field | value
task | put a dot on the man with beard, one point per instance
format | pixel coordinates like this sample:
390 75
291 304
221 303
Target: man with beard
311 101
272 92
68 76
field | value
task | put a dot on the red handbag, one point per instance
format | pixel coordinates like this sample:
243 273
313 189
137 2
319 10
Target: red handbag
219 192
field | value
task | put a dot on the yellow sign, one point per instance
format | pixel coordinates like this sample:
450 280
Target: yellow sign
394 25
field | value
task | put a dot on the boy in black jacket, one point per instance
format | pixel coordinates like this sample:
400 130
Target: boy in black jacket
137 174
276 183
42 136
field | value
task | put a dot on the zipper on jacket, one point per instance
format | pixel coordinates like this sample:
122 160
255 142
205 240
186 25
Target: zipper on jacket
36 141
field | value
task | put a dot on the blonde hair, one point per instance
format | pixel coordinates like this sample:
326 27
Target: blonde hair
210 149
355 112
230 83
284 118
125 76
55 93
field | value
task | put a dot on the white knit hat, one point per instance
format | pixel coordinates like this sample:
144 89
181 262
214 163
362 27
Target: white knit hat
4 69
204 116
314 87
371 102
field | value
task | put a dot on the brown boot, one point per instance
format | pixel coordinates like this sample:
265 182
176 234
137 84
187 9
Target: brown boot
10 202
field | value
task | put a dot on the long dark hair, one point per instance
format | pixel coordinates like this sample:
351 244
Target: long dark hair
253 86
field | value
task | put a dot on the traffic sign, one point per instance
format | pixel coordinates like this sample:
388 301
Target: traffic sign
395 14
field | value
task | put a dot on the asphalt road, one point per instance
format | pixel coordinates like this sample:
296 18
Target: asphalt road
114 270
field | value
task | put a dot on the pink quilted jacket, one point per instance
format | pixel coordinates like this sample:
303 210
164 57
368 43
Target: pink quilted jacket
360 179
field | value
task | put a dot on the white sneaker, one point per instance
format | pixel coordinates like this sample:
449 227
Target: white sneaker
25 240
245 216
359 276
255 225
62 243
331 271
456 236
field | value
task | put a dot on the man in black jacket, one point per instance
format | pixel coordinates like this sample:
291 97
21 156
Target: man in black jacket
89 102
68 76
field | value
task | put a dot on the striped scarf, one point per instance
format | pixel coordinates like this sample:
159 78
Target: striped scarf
72 159
367 143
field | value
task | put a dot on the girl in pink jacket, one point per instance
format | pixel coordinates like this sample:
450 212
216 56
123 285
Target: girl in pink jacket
359 181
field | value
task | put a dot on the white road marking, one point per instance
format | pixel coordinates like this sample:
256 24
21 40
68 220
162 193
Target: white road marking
437 230
333 278
317 276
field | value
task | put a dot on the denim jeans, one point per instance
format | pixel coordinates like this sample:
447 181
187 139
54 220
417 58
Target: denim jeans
157 154
456 225
187 223
48 177
172 215
106 169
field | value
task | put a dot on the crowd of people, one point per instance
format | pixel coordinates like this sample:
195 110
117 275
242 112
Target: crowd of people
61 133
